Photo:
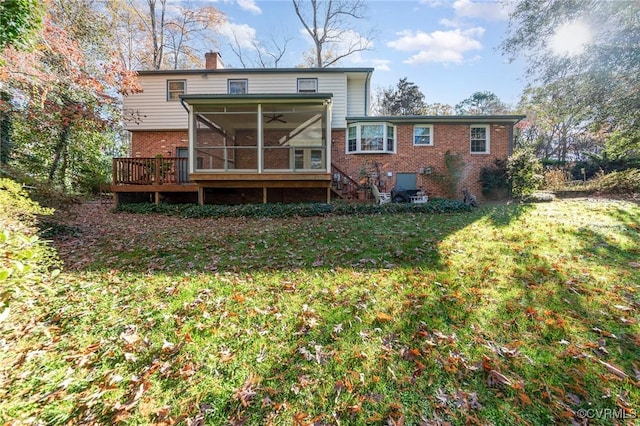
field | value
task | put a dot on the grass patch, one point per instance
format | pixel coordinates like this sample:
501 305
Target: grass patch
508 314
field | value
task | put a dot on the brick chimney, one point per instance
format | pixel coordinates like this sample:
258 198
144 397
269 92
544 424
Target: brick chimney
213 61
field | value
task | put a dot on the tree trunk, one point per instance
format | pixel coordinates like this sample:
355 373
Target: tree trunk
5 131
58 153
157 32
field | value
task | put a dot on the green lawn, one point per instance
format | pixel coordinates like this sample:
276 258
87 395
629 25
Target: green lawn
511 314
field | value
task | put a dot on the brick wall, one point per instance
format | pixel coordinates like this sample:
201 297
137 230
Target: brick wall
151 143
410 158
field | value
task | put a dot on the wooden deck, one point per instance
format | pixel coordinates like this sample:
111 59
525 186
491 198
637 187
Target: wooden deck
155 179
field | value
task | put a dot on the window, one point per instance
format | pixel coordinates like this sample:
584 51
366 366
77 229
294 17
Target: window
423 135
352 140
480 139
238 87
307 85
309 159
371 138
390 138
175 88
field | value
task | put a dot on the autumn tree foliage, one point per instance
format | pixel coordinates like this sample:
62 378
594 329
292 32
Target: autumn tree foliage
19 20
64 95
600 75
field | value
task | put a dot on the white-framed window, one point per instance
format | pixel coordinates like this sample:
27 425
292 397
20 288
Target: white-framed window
307 85
352 139
479 138
238 86
423 135
367 138
175 88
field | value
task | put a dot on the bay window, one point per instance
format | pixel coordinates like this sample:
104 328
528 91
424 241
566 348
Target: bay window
371 138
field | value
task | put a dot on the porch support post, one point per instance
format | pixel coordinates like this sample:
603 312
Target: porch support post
260 138
114 172
157 197
264 195
328 134
329 195
200 195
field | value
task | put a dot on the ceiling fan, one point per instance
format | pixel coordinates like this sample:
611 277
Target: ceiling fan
275 117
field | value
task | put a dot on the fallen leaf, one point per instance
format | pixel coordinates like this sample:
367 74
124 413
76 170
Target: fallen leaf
130 336
613 369
382 317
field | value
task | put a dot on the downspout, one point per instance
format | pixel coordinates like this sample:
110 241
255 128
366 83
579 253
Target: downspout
512 140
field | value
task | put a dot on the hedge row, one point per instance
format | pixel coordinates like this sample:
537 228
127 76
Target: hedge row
277 210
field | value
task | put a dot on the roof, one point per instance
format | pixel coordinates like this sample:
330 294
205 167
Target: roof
208 98
227 71
444 119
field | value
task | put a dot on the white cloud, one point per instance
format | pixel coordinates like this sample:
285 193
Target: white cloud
488 10
570 38
433 3
243 33
451 23
250 6
381 64
438 46
344 41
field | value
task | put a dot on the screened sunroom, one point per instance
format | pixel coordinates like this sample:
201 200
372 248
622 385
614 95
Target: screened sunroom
259 134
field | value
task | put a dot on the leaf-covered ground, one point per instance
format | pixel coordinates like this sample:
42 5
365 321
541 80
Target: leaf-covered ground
511 314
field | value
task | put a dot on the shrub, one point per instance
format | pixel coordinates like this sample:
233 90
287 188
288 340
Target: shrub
27 263
277 210
494 178
525 172
623 182
598 164
556 179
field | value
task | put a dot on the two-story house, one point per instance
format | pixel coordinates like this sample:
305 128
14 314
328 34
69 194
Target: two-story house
221 135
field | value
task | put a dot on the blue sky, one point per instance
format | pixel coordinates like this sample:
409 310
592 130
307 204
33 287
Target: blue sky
449 48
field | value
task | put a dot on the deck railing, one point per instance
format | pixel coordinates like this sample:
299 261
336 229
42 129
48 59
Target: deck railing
150 171
343 182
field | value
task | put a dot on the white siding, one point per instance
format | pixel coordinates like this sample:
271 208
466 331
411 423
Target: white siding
357 92
156 113
151 107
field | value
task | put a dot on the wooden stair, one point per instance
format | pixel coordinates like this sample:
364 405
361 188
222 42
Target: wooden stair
342 185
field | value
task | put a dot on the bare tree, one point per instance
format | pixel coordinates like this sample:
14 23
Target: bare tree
261 54
156 30
330 23
438 109
184 29
153 34
126 27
